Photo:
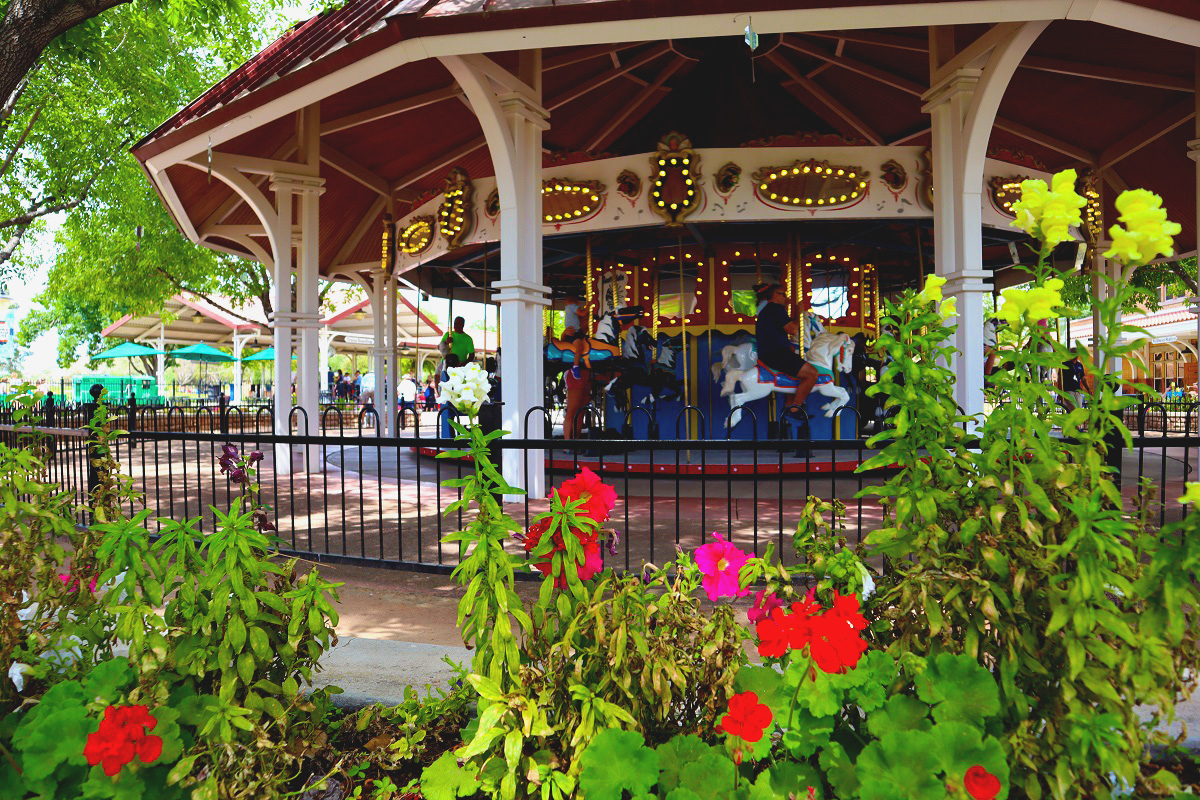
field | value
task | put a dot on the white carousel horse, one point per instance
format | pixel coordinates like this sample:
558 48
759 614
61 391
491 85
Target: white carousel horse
828 353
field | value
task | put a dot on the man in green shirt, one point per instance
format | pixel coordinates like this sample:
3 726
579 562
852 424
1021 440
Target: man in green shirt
461 343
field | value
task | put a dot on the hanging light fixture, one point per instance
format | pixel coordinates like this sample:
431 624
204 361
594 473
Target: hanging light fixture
360 314
197 319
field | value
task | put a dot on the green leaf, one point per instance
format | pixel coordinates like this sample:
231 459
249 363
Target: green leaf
958 689
901 713
711 776
108 679
960 746
236 635
616 761
788 780
900 765
675 754
444 779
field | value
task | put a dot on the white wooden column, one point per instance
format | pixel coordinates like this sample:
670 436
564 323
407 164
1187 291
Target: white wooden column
239 345
393 357
510 112
379 347
160 365
281 395
965 91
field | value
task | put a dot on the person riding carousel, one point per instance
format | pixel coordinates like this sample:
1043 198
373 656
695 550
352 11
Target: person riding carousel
773 331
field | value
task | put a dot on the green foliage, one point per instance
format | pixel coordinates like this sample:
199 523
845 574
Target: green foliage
91 96
880 731
1011 545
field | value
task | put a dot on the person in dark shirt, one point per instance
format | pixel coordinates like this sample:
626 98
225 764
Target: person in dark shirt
773 331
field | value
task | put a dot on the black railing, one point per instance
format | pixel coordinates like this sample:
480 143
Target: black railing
347 493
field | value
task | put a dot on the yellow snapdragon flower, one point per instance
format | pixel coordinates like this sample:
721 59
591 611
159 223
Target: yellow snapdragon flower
1031 305
1147 232
932 293
949 308
1192 495
1049 212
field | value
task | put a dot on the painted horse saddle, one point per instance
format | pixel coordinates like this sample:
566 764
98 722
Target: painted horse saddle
766 375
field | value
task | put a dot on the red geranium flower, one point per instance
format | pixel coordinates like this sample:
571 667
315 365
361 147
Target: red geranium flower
593 561
599 498
774 633
981 784
831 636
747 718
121 737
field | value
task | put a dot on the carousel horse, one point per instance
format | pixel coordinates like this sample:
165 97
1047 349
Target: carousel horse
828 352
644 368
601 350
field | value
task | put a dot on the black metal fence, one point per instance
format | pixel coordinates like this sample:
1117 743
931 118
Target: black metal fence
338 490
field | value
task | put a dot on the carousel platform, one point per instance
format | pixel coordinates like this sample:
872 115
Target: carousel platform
808 458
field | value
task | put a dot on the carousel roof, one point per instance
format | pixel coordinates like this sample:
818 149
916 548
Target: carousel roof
1093 92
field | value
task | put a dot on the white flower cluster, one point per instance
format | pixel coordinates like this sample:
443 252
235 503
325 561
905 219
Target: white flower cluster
467 389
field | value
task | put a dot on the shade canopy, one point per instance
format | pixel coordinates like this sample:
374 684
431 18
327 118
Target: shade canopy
127 350
265 355
203 352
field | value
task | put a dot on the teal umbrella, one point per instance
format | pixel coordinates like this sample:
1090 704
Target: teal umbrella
202 352
205 354
127 350
265 355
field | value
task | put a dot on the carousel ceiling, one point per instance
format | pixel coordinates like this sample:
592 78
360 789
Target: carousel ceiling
1087 95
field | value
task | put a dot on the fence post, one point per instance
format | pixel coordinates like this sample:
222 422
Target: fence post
223 411
89 410
131 423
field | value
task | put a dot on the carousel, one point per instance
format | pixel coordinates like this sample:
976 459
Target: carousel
663 251
657 161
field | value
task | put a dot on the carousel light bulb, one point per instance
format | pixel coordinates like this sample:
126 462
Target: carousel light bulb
862 184
806 170
808 201
783 199
851 175
595 198
795 170
854 194
662 163
674 206
843 198
549 217
820 202
773 197
841 172
687 161
673 162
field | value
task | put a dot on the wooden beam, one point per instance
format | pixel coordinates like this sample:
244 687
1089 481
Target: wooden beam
616 125
1134 77
880 39
1045 140
1113 179
908 137
838 115
608 75
437 163
977 50
852 65
1144 134
359 232
285 151
390 109
582 54
355 171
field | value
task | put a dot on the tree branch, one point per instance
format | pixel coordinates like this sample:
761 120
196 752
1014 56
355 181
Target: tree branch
37 112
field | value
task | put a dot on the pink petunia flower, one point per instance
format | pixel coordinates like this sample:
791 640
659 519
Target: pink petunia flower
720 562
763 603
